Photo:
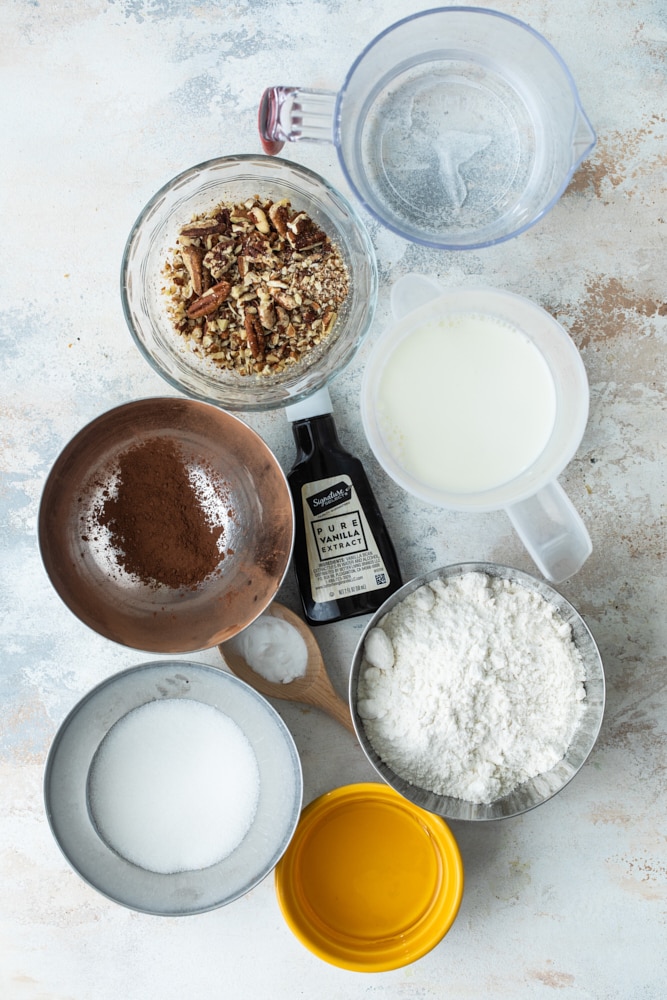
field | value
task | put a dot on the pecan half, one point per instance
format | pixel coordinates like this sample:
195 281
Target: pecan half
193 259
210 300
254 334
204 227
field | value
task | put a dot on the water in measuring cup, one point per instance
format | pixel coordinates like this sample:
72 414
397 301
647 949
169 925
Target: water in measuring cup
465 403
447 145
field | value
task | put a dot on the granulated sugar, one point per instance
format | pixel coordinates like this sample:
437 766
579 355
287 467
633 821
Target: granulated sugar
174 786
471 686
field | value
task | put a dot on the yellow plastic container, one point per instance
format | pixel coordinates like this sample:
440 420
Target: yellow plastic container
370 882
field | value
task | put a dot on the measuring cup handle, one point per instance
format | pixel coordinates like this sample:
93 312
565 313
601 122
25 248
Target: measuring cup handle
287 114
552 531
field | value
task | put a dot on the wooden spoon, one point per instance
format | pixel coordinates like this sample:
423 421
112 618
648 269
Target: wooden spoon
314 688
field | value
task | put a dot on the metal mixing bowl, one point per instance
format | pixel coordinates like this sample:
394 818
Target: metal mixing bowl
258 528
233 179
68 809
544 786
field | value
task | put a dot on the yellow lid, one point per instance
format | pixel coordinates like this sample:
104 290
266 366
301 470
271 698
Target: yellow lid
369 882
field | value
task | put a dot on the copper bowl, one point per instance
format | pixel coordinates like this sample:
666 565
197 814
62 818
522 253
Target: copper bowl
258 528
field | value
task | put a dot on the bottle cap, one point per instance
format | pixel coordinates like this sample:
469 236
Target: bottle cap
315 405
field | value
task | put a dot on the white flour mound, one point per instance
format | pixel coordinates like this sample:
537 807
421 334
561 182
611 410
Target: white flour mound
471 686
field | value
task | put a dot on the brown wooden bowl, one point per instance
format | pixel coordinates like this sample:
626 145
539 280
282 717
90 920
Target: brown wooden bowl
258 528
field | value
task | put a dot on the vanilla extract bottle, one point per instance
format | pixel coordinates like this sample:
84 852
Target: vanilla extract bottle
344 559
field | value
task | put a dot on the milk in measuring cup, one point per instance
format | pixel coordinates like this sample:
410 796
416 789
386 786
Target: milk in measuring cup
466 403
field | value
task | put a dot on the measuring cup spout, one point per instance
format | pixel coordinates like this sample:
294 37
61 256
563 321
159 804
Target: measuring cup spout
583 139
288 114
411 291
552 531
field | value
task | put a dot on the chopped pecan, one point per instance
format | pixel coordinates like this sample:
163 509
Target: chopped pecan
220 258
267 313
306 241
328 320
260 220
303 233
256 245
210 300
283 298
278 282
279 216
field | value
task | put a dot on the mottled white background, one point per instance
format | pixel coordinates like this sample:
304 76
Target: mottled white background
100 104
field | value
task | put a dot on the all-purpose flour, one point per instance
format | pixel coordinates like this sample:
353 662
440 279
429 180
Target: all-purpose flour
471 686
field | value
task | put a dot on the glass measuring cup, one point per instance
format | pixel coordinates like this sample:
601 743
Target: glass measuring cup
539 509
457 127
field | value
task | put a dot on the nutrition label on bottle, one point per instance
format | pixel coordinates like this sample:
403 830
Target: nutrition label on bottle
343 557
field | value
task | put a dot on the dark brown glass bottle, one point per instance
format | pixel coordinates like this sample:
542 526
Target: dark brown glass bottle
343 556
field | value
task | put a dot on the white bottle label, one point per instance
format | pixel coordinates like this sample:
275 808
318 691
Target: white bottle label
343 557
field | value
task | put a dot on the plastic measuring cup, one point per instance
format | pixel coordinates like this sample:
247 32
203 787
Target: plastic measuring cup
457 127
539 509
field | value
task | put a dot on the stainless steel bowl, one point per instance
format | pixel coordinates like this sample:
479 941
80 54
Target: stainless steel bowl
544 786
199 189
186 892
259 529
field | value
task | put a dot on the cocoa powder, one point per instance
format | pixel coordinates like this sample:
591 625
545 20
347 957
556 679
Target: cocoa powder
159 529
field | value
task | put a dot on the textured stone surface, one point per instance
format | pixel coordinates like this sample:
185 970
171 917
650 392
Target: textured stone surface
102 103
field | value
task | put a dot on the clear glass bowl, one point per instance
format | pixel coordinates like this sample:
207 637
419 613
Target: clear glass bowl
199 189
542 787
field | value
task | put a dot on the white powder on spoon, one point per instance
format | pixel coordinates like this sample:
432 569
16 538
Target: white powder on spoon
273 648
471 686
174 786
